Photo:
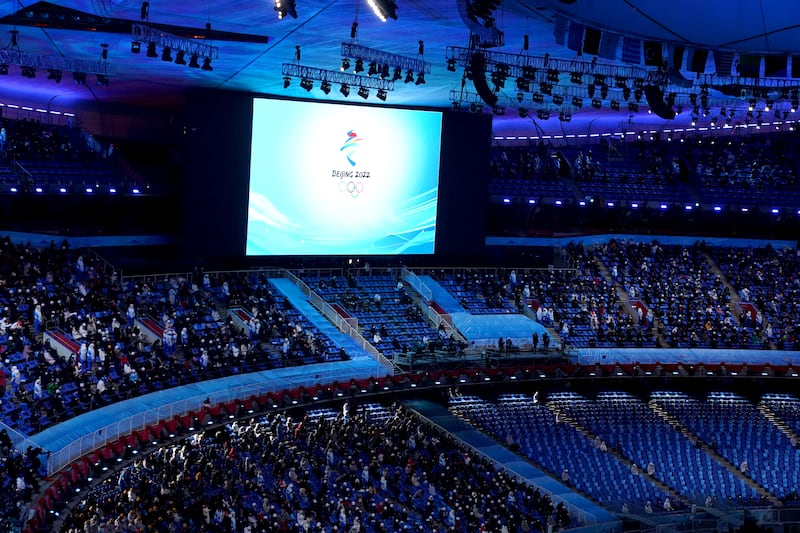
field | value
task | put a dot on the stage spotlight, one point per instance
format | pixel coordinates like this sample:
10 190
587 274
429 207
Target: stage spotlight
345 65
597 104
287 80
528 72
166 54
523 112
359 66
363 92
633 107
28 72
564 116
345 90
207 64
577 102
537 98
558 99
626 93
576 78
545 88
151 50
102 80
384 72
381 95
637 95
455 106
325 87
397 74
383 9
285 7
180 57
451 65
373 69
409 76
590 90
306 84
614 105
79 78
193 63
136 47
543 114
420 79
54 74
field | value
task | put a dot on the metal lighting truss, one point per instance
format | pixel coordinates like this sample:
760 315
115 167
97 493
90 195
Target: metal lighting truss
516 62
53 62
466 97
146 34
369 55
336 76
750 86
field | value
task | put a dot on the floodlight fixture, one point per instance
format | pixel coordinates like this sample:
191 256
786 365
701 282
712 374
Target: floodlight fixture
285 7
383 9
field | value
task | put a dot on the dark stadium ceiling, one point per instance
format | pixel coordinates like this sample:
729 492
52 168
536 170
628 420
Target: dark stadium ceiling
253 44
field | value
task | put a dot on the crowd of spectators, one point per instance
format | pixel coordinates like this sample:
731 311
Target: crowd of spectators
20 477
108 356
757 162
688 300
523 162
769 279
32 140
371 469
755 168
59 287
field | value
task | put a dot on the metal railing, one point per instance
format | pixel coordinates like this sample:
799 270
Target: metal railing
139 421
412 279
348 326
581 515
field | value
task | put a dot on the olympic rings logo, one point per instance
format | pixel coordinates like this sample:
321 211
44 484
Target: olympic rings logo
353 188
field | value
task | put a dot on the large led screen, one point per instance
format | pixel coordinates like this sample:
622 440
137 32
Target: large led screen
332 179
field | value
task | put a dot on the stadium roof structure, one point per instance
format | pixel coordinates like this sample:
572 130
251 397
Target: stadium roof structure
705 58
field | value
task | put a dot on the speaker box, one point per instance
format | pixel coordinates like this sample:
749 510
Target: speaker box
655 99
478 68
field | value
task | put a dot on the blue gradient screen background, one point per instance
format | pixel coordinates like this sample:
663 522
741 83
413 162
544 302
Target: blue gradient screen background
328 179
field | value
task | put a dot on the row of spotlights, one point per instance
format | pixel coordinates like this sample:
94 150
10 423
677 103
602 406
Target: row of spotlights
55 75
373 69
325 87
166 55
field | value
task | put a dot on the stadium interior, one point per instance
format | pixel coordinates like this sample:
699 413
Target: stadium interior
376 266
